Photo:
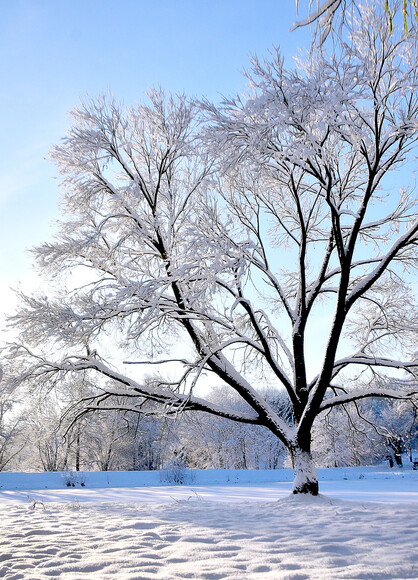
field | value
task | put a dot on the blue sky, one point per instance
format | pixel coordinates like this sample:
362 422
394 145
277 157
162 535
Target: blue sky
54 52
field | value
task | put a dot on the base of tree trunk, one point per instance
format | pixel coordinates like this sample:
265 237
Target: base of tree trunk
310 487
306 480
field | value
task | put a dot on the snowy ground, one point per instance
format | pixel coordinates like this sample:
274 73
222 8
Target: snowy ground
223 525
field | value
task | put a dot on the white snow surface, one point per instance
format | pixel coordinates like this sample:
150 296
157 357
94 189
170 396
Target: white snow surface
221 524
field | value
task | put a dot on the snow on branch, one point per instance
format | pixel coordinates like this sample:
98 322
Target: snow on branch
326 8
409 238
356 395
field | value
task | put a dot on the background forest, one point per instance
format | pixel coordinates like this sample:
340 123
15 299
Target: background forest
38 439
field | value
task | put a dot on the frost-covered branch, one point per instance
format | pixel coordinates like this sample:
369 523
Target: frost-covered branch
357 395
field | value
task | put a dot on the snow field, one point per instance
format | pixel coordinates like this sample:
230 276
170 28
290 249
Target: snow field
293 538
212 532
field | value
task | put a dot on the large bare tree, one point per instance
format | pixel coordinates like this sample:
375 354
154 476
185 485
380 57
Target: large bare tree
211 237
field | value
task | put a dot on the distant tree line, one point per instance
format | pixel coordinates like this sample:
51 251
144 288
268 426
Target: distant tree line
45 438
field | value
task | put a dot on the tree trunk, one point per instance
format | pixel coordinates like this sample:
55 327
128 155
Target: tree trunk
306 480
396 445
77 453
398 456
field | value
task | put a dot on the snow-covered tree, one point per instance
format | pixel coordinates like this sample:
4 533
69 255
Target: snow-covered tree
343 436
12 440
49 449
211 238
216 442
396 423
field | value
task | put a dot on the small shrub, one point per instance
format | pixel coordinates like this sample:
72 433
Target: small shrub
36 503
73 506
177 473
72 479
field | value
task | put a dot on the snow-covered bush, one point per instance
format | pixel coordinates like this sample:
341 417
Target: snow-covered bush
176 472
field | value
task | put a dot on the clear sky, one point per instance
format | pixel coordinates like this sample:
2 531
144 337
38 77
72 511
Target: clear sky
52 52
